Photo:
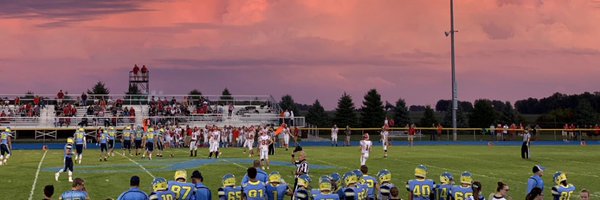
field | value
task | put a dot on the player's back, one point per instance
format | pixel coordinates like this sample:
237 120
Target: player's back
441 191
126 135
371 183
163 195
254 190
385 191
561 192
314 192
4 136
460 192
421 189
183 191
74 195
277 192
79 137
230 193
322 196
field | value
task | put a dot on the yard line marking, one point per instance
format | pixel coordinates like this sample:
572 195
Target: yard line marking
234 163
331 163
138 164
37 173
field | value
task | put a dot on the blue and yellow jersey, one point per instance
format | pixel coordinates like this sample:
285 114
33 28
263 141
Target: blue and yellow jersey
561 192
127 135
459 192
371 183
163 195
68 150
74 195
421 189
441 191
314 192
254 190
149 137
79 137
103 138
183 191
301 194
230 193
5 136
112 135
322 196
138 134
277 192
385 191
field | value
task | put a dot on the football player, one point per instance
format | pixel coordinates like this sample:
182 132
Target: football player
336 182
182 190
302 192
80 144
126 140
385 187
160 142
112 134
277 189
350 191
193 142
68 161
361 184
215 135
325 190
229 191
103 139
365 148
149 139
159 190
370 182
5 146
250 141
385 141
264 140
446 182
464 190
253 189
562 190
139 134
421 188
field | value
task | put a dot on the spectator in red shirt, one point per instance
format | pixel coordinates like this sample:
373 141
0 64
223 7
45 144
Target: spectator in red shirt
36 100
144 72
412 130
135 71
60 96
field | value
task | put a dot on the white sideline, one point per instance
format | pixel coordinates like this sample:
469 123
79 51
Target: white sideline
37 173
236 164
138 164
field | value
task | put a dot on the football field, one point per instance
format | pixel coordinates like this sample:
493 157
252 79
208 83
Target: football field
103 180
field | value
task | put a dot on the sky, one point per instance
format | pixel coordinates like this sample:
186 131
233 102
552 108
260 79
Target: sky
311 49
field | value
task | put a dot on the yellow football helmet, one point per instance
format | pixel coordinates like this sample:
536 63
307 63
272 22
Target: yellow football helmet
559 177
150 129
7 130
228 180
81 129
325 184
275 177
421 171
70 140
466 178
180 174
159 184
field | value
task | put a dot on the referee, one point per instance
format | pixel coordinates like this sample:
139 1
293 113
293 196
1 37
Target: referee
301 166
525 146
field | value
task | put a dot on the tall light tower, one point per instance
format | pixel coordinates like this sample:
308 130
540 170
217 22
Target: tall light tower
454 89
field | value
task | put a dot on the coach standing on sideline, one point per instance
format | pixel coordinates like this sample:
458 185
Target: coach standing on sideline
525 146
301 165
536 180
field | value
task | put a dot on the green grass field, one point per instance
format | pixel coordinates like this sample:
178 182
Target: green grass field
488 165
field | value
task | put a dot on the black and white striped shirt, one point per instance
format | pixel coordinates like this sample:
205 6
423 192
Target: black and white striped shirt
301 167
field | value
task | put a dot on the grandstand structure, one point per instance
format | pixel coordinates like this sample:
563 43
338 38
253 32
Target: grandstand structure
46 114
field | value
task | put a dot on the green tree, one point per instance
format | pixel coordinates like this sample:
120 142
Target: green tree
225 97
401 117
483 114
194 96
584 113
317 116
345 113
99 91
428 118
287 103
461 119
372 113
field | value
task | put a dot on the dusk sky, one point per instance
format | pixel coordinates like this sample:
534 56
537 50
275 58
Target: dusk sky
311 49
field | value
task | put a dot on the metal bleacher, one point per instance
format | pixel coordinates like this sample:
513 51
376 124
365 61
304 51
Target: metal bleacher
247 110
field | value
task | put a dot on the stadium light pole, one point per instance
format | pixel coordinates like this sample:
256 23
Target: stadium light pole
454 85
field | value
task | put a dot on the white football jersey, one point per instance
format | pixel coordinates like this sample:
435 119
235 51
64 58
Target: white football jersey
365 145
264 141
